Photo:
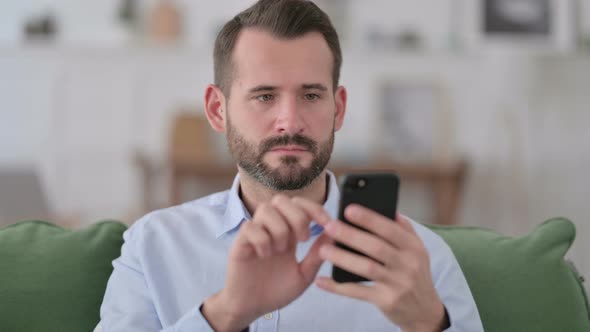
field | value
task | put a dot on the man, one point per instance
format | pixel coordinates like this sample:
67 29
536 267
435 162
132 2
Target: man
252 257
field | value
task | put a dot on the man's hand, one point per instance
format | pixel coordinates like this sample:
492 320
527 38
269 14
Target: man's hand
263 272
400 268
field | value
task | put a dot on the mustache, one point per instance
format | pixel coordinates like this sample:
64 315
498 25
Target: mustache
297 139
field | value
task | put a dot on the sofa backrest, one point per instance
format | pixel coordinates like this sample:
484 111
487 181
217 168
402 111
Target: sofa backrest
52 279
522 284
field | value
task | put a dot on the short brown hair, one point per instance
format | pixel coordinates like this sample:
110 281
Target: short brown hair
282 18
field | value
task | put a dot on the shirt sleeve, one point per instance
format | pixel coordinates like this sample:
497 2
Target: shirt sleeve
454 292
127 305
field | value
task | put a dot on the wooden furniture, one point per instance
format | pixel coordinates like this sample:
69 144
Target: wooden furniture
190 156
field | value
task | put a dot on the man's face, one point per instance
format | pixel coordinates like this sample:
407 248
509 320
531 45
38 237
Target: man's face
282 112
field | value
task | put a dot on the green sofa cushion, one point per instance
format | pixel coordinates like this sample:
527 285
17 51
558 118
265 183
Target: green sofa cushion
53 279
522 284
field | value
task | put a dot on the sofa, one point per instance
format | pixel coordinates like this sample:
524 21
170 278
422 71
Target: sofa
53 279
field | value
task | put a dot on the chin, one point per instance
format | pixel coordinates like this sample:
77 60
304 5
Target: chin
286 162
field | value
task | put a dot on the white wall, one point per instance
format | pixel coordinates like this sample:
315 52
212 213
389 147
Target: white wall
77 110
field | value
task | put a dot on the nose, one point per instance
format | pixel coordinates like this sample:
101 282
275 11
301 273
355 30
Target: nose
289 119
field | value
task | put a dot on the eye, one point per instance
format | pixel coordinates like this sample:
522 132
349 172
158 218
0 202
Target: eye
311 96
265 98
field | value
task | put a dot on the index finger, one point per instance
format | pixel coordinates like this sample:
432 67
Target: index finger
405 223
316 211
390 230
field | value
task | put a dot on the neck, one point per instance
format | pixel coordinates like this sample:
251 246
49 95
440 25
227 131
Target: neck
254 193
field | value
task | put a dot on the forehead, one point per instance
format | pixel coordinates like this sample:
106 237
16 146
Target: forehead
260 58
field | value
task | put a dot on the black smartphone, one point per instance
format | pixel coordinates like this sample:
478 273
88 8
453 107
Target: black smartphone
376 191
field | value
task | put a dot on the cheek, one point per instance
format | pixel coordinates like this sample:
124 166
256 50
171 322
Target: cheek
257 128
250 124
321 124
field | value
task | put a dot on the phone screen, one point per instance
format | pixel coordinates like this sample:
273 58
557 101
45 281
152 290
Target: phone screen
376 191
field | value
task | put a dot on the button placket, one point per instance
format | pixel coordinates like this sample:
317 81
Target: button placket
269 322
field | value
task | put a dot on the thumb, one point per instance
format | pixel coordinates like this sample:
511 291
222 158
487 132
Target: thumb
241 248
310 265
243 251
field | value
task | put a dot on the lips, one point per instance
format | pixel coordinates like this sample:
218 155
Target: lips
295 144
290 148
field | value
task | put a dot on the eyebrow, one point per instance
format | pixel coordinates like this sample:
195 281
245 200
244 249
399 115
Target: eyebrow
262 88
265 88
317 86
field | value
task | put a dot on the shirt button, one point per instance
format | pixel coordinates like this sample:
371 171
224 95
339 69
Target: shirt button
268 316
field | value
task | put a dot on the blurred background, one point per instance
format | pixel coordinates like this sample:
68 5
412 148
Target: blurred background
482 106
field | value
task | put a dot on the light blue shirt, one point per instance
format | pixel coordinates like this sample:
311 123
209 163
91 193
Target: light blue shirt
173 259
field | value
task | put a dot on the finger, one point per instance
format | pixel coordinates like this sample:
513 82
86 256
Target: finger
380 225
257 237
362 241
297 218
314 210
312 262
276 225
357 264
242 248
378 294
405 223
354 290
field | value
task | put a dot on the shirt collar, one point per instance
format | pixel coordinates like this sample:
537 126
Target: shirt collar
236 213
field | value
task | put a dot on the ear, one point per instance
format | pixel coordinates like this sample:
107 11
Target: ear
340 99
215 107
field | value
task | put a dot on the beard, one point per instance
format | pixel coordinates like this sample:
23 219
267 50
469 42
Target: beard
290 174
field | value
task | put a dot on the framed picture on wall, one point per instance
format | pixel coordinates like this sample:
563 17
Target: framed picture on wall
529 25
415 121
518 17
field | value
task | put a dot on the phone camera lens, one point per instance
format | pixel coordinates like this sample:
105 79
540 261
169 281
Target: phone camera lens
361 183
